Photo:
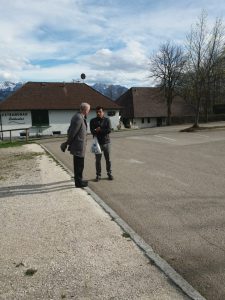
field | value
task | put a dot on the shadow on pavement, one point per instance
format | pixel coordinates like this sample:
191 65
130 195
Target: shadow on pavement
31 189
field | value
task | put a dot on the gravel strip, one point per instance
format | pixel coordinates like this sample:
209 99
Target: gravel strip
57 243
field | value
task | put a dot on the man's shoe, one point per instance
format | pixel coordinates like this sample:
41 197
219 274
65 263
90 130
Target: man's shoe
110 177
98 177
81 184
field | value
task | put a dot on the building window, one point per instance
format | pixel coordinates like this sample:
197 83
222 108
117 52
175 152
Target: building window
142 120
40 118
111 113
149 120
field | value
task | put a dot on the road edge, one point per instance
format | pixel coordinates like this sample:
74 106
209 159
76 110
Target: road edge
175 277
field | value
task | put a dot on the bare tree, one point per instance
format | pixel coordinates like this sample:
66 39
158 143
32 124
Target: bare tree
205 50
166 67
214 64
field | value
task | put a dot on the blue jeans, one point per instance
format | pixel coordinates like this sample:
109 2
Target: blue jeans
106 151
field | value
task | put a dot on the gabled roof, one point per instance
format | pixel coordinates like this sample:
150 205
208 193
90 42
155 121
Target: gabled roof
150 102
55 95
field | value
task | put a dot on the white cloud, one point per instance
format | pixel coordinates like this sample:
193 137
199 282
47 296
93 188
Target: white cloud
7 76
110 40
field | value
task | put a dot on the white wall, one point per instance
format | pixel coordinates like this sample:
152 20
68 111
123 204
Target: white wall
15 120
137 123
115 120
59 120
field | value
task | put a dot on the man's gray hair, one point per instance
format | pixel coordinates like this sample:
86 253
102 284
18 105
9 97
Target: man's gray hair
84 106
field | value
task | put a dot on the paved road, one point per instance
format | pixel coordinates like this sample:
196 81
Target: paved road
170 188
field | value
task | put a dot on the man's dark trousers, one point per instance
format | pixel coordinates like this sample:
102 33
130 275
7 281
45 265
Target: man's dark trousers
106 151
78 165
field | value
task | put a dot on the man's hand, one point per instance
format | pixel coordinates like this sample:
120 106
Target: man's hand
98 129
63 146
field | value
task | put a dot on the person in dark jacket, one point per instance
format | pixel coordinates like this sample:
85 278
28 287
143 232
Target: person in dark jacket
101 128
76 142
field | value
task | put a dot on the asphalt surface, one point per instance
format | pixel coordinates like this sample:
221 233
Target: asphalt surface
169 187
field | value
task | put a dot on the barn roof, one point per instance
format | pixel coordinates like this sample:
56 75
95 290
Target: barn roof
150 102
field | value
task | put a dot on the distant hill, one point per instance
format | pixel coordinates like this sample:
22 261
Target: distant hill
7 88
109 90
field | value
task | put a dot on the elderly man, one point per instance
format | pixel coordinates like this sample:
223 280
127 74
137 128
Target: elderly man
76 142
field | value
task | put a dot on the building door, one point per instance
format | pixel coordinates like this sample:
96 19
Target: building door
159 122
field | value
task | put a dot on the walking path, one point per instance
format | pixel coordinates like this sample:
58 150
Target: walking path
58 243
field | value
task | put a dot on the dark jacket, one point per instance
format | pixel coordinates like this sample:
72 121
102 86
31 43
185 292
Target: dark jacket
77 135
103 134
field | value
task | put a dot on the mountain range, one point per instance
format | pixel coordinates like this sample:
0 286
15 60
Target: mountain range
7 88
109 90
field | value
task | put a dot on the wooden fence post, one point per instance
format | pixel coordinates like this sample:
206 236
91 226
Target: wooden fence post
26 135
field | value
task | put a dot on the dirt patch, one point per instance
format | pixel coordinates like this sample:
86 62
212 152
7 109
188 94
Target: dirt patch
10 162
200 128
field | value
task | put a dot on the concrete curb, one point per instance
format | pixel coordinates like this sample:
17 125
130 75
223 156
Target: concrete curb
176 278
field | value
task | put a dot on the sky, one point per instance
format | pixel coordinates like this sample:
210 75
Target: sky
110 41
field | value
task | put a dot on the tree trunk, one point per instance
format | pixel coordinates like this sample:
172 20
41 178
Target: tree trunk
197 113
169 113
206 111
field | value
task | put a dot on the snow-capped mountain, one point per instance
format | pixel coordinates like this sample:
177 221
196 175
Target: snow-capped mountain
7 88
109 90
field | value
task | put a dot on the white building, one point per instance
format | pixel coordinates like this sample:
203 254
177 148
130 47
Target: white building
46 108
